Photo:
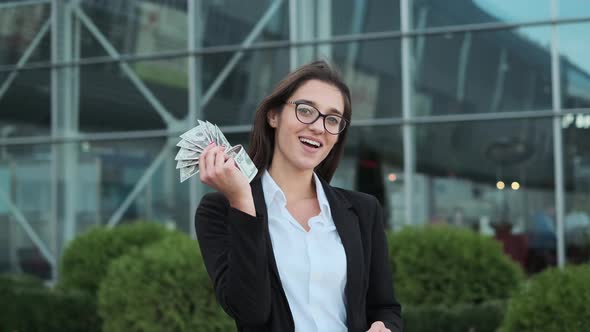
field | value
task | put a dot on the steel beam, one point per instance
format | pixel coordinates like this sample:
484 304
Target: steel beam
141 183
195 111
24 223
409 144
557 140
230 65
25 57
23 3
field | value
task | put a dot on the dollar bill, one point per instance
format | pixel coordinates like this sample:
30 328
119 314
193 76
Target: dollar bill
197 136
194 141
222 139
185 163
187 172
184 154
189 146
243 161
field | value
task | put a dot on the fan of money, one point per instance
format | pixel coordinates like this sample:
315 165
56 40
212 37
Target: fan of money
194 141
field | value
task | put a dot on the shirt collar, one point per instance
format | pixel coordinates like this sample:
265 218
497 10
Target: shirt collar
272 191
322 199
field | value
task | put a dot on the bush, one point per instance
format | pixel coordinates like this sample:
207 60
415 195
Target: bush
11 281
554 300
484 317
163 287
85 261
447 265
35 308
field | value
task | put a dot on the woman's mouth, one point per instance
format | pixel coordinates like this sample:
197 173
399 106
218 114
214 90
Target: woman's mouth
310 142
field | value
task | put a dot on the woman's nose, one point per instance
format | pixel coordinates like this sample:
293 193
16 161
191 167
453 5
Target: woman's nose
318 125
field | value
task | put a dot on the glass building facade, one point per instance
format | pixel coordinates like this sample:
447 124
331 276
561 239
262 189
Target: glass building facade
473 113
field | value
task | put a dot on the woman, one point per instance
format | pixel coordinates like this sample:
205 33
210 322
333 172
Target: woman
288 252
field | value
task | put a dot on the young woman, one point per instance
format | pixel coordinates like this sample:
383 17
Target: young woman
288 252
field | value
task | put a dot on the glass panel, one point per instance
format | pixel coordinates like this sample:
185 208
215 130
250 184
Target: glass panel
577 185
372 70
20 25
433 13
234 100
229 22
25 191
481 72
25 106
116 168
110 101
373 163
145 27
358 16
135 27
495 177
575 65
573 8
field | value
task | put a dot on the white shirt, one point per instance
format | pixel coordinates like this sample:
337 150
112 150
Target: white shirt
312 265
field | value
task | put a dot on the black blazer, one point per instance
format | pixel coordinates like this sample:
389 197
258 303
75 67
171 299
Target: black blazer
238 255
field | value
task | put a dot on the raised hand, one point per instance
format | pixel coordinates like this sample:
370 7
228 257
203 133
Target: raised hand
218 170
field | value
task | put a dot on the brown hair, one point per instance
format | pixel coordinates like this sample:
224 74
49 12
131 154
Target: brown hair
262 137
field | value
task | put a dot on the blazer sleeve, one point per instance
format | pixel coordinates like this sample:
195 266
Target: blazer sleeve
234 249
381 302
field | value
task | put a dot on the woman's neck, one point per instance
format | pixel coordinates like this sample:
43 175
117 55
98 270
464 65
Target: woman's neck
296 185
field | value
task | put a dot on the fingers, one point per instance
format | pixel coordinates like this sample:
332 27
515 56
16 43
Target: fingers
378 327
203 161
212 164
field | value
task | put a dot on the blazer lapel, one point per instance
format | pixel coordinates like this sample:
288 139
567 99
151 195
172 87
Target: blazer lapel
347 225
260 206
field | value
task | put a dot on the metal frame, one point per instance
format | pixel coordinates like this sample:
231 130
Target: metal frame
266 45
557 140
66 61
409 144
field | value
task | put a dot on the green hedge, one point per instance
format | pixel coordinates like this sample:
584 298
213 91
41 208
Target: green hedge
163 287
484 317
11 281
85 261
554 300
448 265
30 308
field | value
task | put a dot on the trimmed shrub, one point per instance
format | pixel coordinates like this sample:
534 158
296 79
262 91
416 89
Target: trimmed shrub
448 265
35 309
553 300
163 287
12 281
85 261
484 317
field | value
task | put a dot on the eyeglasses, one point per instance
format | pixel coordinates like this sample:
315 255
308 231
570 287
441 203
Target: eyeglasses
334 124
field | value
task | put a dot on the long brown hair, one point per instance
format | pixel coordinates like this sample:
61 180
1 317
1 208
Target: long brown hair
262 137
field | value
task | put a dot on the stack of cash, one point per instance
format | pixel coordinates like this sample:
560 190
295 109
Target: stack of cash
194 141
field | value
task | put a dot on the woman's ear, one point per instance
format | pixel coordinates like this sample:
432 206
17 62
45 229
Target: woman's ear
273 118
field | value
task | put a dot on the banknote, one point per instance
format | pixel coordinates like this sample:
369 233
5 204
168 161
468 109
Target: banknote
195 140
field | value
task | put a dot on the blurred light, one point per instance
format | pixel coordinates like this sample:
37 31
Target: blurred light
392 177
500 185
515 185
85 146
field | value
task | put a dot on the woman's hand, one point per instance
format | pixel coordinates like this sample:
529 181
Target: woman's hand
378 327
219 171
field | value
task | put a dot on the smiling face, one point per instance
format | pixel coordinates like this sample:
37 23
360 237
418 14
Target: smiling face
298 146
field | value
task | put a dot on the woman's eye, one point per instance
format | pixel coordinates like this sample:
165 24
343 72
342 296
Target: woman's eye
333 120
305 111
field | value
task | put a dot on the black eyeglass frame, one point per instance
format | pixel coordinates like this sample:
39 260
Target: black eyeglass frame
320 115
